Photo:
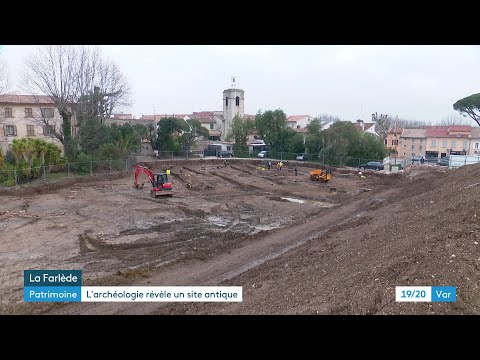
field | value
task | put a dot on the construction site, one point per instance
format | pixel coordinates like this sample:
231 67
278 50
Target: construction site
295 243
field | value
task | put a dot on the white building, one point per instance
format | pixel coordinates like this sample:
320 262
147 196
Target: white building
368 128
298 121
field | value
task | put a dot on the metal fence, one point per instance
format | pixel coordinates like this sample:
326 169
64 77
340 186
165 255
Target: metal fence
271 155
46 174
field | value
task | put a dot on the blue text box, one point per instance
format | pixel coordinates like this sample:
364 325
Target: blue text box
444 294
52 278
52 294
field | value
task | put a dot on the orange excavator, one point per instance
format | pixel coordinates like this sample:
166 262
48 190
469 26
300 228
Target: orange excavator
160 184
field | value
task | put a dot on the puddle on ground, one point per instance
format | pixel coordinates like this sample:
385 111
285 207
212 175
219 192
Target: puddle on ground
323 204
294 200
219 221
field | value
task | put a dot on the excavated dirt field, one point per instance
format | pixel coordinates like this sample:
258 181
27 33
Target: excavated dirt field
340 251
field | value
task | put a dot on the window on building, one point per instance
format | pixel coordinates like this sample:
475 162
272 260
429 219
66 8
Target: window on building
385 141
444 144
211 126
421 140
395 142
47 113
413 147
30 130
413 140
8 112
476 145
237 101
419 147
453 143
48 129
434 143
413 154
28 112
465 144
10 130
226 101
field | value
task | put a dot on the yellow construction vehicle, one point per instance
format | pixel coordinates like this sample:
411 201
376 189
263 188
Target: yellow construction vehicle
320 175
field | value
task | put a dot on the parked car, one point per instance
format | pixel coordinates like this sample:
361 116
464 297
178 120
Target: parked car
417 158
263 154
301 157
372 165
225 154
444 161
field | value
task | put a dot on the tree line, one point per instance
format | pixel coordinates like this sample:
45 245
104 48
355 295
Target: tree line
340 139
82 82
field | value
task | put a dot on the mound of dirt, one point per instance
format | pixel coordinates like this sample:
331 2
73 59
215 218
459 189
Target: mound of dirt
425 233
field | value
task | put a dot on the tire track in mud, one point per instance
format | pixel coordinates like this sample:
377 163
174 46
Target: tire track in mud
228 265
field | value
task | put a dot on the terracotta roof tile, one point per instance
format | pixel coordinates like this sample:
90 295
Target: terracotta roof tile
435 132
25 99
414 133
295 118
459 128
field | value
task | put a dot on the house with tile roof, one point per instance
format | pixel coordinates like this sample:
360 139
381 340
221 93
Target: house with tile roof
448 140
368 128
30 116
412 142
298 121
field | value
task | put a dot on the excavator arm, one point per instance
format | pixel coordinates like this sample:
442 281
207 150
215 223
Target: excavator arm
142 169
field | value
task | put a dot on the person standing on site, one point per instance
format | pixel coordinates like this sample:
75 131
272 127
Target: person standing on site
295 170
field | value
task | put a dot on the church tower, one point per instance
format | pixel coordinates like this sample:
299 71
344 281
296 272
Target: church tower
233 101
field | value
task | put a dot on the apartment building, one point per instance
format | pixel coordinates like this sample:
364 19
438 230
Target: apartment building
412 143
448 140
32 116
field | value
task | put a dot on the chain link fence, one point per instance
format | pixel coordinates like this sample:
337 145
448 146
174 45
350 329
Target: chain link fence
47 174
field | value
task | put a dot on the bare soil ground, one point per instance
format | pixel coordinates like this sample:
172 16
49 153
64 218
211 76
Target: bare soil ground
342 251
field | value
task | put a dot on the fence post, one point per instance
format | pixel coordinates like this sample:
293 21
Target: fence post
281 156
15 175
110 165
44 175
126 164
323 159
68 170
91 168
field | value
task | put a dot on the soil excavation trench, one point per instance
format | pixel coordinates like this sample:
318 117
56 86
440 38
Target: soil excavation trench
226 266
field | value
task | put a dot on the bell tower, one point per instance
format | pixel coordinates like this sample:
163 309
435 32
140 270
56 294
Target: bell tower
233 104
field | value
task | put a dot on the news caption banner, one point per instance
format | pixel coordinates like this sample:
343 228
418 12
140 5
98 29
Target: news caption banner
66 286
425 294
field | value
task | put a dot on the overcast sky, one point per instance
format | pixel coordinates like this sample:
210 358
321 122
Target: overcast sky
351 82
